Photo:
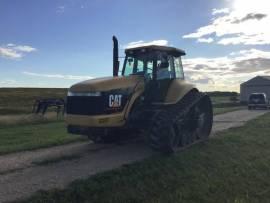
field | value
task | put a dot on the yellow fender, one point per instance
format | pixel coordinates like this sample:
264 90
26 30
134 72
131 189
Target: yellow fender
177 90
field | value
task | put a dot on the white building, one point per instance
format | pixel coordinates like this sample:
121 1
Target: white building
259 84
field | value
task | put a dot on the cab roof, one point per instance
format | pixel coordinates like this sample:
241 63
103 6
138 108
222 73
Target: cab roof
149 48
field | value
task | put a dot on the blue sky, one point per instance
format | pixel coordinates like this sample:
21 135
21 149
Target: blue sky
58 43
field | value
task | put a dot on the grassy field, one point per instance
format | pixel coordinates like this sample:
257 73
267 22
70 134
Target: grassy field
15 101
223 104
20 100
34 136
231 167
220 99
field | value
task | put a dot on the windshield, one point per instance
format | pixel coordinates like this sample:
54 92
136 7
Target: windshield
138 66
159 65
257 96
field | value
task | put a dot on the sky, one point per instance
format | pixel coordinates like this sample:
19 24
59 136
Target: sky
57 43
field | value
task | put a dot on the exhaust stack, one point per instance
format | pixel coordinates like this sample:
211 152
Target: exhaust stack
115 57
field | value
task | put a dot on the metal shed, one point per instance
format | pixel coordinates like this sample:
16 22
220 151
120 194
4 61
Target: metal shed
260 84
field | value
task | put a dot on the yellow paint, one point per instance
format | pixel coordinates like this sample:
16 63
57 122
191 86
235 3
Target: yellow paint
176 91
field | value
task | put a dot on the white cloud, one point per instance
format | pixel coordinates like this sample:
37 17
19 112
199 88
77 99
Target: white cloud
60 9
9 53
258 39
139 43
11 45
220 11
27 49
205 40
7 82
245 24
226 73
58 76
13 51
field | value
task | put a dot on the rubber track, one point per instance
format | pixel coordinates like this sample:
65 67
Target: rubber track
189 101
176 112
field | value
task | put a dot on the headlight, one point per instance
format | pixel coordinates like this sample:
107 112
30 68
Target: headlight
84 94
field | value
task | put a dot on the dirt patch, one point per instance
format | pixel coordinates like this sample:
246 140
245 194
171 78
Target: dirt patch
28 118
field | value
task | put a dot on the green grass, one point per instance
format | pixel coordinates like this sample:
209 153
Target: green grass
231 167
34 136
222 110
20 100
223 104
220 99
28 119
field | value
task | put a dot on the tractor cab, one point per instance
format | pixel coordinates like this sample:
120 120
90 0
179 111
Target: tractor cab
160 66
154 62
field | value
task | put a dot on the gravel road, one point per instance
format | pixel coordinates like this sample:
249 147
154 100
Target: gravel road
234 119
20 175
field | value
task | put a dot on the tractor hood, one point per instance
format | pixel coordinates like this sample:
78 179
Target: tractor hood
106 84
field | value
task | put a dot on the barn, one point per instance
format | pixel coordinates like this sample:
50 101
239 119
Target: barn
260 84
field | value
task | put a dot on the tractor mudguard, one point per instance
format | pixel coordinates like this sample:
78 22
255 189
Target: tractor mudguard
177 90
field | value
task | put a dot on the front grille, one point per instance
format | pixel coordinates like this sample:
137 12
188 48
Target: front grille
85 105
93 105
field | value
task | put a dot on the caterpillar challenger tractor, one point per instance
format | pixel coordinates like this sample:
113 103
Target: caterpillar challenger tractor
150 96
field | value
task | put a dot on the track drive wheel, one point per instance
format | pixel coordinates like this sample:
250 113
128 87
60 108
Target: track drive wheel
201 119
162 136
175 129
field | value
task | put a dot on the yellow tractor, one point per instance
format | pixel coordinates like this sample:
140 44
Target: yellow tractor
150 96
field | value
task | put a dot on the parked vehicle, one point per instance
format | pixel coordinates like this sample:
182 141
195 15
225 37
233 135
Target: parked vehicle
258 100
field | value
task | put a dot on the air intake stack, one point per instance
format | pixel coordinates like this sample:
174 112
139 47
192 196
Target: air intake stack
115 57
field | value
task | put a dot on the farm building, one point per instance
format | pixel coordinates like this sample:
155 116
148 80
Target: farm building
260 84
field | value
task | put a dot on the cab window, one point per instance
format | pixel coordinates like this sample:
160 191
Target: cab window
138 66
165 68
179 73
129 64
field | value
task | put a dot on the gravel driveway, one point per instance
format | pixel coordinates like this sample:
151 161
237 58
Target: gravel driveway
20 176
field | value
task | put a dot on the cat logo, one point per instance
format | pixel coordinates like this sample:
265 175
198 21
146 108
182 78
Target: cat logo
115 101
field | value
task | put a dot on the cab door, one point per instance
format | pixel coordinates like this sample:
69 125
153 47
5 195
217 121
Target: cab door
166 70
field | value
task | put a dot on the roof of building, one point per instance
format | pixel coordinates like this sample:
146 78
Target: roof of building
265 77
156 48
255 79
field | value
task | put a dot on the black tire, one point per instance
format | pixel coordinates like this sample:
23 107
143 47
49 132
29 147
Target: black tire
182 132
198 122
173 128
204 118
162 135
